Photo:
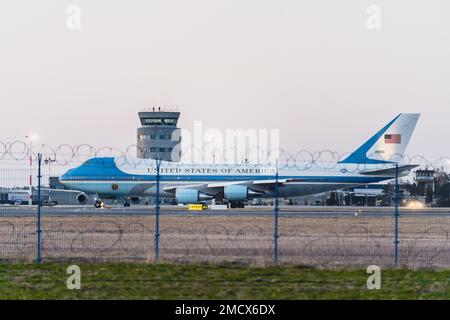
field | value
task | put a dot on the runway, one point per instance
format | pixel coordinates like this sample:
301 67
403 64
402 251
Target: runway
253 211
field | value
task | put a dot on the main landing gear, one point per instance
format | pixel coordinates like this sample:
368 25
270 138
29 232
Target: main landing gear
99 204
237 204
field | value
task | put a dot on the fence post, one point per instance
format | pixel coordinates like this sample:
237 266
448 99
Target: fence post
39 207
158 178
276 212
396 216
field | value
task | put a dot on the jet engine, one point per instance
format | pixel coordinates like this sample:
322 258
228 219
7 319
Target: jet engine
185 196
82 198
239 193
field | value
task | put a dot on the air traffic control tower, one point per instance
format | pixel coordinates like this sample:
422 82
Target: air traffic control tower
154 138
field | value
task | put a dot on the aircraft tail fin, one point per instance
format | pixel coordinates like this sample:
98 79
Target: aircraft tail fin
389 144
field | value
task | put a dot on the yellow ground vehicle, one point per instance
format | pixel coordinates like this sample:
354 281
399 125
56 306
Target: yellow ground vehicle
198 207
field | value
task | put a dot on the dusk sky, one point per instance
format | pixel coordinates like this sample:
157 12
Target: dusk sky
312 69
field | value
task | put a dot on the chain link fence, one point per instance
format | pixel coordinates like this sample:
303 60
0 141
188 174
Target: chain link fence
157 229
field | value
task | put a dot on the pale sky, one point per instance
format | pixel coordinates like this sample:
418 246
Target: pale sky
309 68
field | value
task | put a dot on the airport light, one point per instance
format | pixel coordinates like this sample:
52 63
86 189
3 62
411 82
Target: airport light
48 162
30 138
415 204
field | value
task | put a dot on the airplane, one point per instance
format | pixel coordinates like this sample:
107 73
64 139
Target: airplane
378 159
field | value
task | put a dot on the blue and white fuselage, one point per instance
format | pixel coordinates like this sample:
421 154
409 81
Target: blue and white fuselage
373 162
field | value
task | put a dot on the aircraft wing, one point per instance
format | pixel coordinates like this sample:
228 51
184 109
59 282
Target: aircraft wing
218 187
59 190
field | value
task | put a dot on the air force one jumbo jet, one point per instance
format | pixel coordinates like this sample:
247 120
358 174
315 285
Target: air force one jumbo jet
116 178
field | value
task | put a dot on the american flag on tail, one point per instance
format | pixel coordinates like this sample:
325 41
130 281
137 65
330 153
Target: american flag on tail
393 138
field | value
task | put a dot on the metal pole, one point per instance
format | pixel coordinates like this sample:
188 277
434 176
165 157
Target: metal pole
276 212
158 178
30 182
366 195
39 203
49 162
396 216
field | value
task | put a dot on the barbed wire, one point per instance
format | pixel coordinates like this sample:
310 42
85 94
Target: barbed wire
65 155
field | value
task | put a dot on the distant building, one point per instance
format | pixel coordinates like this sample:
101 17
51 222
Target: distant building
17 195
425 176
425 183
56 196
154 138
369 195
4 196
